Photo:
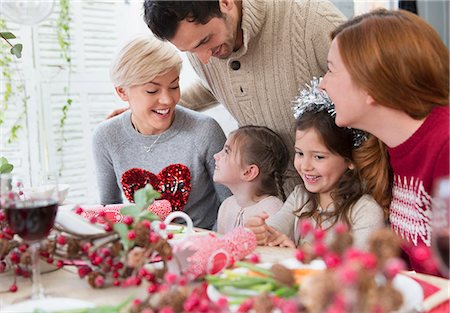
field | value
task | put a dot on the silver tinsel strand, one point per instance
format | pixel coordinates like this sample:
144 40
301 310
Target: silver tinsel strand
314 99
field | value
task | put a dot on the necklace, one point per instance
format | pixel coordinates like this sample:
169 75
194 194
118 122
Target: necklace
148 149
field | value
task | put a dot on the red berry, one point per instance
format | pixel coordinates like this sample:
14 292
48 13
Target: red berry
169 236
146 224
61 240
300 255
254 258
93 220
305 227
50 260
131 235
78 210
128 220
13 288
162 226
99 281
152 288
108 228
153 237
59 264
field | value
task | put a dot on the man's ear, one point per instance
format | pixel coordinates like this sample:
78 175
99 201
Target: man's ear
122 93
250 173
226 5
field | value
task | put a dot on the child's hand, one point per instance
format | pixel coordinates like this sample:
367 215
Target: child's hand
257 224
278 239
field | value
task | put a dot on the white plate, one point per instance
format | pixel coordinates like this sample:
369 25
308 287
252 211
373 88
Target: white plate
411 291
290 263
47 304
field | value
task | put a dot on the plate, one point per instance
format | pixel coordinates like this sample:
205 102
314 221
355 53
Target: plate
411 290
47 304
291 263
412 293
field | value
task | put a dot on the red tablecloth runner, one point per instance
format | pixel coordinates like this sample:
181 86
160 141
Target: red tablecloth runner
428 290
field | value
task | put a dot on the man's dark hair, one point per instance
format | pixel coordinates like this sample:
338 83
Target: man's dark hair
163 17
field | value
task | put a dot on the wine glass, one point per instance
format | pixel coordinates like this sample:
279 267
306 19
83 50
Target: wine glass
440 224
31 216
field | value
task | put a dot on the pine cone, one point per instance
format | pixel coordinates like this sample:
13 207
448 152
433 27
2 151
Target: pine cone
116 248
25 258
73 247
385 244
91 279
341 242
164 249
174 299
282 275
142 234
4 247
263 303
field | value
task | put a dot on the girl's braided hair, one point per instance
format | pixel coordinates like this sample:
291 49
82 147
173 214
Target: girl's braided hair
266 149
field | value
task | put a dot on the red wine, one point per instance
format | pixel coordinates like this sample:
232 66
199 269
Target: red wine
32 220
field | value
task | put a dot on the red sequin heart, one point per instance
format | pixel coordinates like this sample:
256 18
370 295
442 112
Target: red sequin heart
173 182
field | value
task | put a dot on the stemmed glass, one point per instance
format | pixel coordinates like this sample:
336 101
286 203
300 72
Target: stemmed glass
31 216
440 224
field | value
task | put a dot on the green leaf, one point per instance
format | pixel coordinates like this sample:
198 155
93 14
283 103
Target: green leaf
6 168
122 230
3 160
145 196
17 50
7 35
148 215
130 210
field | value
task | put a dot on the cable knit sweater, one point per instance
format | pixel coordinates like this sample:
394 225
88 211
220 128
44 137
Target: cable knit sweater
285 44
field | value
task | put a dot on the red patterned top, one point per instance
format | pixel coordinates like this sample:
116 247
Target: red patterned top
417 163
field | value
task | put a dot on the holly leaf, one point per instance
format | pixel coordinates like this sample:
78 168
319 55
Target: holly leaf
7 35
17 50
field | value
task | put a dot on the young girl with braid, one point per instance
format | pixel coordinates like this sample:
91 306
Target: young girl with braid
332 190
251 164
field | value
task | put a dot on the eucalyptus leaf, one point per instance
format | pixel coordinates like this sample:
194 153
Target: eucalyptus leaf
7 35
17 50
122 230
131 210
148 215
145 196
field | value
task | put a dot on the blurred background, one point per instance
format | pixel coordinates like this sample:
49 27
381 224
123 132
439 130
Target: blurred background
59 90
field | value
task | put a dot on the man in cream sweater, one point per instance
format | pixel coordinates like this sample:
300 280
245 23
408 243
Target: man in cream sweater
251 55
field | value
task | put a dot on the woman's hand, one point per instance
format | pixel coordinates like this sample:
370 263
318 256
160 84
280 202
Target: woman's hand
257 224
278 239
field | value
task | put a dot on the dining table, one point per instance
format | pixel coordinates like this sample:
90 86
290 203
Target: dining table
65 282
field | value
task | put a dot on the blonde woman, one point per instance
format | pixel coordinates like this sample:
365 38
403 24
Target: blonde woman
157 141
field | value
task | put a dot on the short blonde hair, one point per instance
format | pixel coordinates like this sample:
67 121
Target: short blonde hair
142 59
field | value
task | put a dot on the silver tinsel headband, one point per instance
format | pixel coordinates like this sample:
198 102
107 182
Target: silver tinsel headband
314 99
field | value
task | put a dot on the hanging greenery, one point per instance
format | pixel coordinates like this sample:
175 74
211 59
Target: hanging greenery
6 65
63 35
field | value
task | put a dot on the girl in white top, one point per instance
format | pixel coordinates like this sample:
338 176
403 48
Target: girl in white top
251 164
332 189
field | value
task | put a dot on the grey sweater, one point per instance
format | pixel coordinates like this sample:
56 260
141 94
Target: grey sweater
192 140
